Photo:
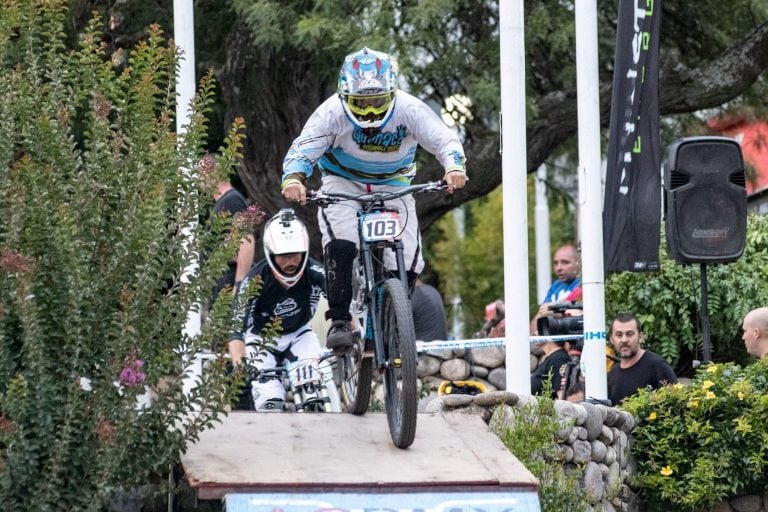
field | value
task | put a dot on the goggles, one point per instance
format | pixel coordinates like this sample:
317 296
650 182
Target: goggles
366 105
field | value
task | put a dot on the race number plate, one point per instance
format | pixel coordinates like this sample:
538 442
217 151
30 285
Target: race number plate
380 226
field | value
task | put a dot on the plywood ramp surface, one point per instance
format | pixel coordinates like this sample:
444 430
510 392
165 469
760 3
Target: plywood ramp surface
253 451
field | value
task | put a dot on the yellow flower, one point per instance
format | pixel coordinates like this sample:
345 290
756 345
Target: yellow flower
707 384
652 416
678 386
692 404
741 395
712 368
710 395
666 471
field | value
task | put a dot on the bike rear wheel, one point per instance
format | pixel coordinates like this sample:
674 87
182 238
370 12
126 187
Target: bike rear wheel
401 393
355 376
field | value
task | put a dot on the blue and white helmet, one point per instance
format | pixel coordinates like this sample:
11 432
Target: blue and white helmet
367 85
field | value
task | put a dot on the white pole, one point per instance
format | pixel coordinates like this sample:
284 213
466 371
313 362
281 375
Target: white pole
514 193
541 218
184 36
590 199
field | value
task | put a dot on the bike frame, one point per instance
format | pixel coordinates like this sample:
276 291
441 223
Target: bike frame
375 275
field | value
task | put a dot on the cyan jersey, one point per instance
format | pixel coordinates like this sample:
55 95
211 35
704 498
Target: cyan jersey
333 142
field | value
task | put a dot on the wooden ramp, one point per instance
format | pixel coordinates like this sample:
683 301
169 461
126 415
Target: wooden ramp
265 457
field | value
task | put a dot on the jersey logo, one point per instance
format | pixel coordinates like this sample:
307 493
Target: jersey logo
286 308
380 142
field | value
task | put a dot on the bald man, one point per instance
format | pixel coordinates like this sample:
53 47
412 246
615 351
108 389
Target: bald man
755 327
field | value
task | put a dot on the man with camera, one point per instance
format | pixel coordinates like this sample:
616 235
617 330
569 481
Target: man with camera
638 368
567 287
556 361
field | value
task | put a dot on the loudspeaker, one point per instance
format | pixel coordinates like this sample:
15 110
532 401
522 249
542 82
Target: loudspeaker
705 200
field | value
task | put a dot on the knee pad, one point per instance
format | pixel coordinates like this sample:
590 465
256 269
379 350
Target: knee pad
339 255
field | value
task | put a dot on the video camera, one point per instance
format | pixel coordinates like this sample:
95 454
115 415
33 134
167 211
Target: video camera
554 326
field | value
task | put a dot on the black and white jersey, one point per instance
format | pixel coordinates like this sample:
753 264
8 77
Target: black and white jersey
294 306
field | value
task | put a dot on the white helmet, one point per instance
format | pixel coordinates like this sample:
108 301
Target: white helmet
286 234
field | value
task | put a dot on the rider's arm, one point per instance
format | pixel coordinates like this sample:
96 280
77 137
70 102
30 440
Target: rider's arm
315 138
244 259
241 309
436 137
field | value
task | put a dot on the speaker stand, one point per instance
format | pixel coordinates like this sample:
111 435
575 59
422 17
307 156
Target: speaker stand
704 316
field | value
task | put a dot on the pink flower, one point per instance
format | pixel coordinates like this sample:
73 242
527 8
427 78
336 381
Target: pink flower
13 262
132 375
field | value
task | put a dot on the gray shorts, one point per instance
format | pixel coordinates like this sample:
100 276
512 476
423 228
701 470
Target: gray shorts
339 221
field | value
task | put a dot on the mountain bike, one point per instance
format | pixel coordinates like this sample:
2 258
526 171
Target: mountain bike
381 311
310 383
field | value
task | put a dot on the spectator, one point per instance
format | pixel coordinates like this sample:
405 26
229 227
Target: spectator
364 139
755 327
291 286
567 287
551 367
428 313
227 201
638 368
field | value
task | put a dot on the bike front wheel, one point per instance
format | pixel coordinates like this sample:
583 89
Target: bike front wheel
355 377
401 393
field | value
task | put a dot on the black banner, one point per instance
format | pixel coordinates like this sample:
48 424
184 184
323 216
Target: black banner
632 207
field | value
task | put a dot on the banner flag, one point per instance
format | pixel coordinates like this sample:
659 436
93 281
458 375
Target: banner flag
632 206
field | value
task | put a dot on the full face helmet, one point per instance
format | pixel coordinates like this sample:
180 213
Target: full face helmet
286 234
367 85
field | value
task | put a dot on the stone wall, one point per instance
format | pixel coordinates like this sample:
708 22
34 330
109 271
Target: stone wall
594 437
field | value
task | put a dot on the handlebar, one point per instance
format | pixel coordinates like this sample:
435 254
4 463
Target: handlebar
322 198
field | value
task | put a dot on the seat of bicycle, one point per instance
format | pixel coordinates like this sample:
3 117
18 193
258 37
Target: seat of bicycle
340 338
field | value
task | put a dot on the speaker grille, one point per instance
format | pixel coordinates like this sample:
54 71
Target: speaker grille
678 179
738 178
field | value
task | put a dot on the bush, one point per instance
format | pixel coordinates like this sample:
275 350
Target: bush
668 302
529 432
697 444
96 225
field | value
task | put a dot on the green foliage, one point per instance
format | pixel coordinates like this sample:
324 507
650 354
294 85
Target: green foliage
667 302
96 225
529 432
696 445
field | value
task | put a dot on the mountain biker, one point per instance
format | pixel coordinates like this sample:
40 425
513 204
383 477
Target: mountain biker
292 285
364 139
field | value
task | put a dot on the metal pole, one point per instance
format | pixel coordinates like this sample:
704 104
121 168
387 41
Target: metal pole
184 37
590 199
704 316
541 218
514 192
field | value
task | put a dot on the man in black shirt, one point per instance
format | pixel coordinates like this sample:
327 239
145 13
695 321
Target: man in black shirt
227 201
551 367
639 367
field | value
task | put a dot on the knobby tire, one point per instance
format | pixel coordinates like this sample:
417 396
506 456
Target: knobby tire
356 377
401 393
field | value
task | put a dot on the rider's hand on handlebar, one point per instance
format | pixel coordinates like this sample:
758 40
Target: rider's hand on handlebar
455 179
295 192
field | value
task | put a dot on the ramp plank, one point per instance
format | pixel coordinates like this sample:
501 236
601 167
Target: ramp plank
259 452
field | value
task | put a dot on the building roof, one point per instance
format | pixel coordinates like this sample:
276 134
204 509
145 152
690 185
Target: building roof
753 137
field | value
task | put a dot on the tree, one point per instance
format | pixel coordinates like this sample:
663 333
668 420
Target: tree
94 216
276 61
